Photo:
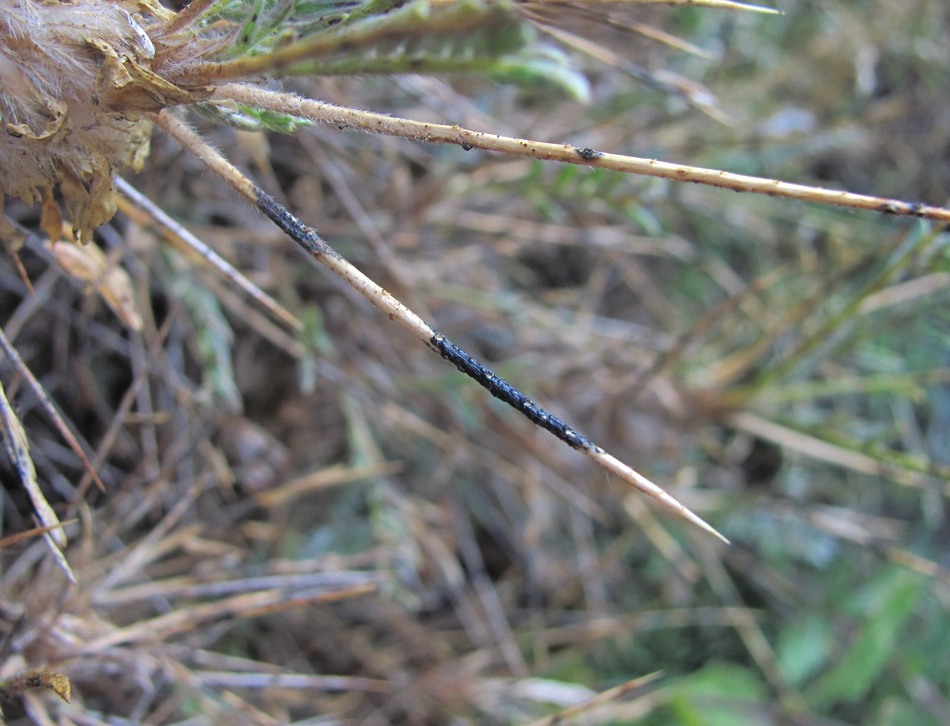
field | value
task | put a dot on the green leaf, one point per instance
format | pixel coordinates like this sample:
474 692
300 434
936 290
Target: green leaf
440 50
316 342
213 336
719 695
247 118
545 64
804 648
898 712
489 39
886 605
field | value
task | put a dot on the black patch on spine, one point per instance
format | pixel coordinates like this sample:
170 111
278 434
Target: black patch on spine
588 154
299 232
313 243
504 391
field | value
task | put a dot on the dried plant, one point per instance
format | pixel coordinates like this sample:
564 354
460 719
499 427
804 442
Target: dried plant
82 84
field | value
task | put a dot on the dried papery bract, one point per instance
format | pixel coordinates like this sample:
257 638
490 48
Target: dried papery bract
38 680
74 82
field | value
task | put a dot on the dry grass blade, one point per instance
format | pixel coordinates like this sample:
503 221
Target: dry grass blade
13 539
238 607
326 477
50 407
297 681
717 4
904 292
194 247
312 243
832 453
697 97
17 446
358 534
702 325
320 112
612 694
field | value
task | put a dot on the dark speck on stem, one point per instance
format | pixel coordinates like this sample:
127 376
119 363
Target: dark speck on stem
588 154
504 391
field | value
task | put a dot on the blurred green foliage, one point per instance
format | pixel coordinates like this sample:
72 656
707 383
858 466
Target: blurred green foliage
844 349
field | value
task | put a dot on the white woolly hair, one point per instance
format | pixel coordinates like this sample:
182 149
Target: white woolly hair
60 63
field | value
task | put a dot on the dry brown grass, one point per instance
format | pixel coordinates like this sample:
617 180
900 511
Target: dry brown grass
338 528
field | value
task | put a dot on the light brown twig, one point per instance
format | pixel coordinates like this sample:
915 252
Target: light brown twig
326 113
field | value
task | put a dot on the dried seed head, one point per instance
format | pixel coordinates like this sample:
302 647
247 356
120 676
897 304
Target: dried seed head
76 79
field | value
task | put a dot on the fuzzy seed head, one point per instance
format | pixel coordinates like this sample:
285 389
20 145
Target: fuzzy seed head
76 81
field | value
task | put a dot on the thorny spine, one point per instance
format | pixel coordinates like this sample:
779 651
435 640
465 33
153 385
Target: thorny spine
504 391
310 240
320 112
322 252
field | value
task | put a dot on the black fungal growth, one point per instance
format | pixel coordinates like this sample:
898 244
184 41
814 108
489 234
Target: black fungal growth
504 391
299 232
588 154
308 238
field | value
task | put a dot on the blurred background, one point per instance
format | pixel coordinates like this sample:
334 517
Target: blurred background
321 522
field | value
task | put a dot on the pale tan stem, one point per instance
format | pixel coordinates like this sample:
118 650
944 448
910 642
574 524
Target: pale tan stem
188 14
819 449
322 252
326 113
